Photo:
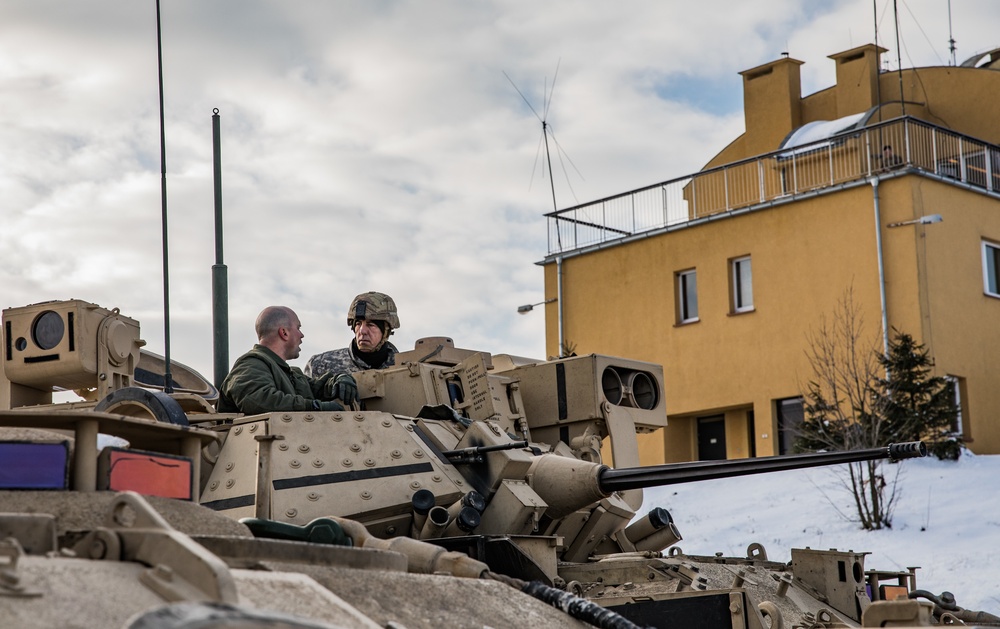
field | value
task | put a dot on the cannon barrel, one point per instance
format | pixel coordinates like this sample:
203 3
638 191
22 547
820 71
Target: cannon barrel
611 480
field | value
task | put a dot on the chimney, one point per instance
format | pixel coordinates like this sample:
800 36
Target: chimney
857 79
771 104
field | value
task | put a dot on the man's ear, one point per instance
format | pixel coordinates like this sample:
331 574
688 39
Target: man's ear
283 333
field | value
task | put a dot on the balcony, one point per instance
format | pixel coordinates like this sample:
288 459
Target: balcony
846 159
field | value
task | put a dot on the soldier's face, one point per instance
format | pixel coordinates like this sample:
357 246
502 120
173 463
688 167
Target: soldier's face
367 334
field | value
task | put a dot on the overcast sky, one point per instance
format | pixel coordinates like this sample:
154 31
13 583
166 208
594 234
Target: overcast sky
373 145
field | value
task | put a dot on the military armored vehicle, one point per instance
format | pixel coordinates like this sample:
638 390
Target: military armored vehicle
465 490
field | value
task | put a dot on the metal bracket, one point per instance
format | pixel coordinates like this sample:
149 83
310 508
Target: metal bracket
180 569
10 581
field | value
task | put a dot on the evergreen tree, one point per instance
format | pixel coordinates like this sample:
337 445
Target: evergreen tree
916 405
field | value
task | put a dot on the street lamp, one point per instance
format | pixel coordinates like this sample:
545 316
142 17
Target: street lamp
923 220
526 308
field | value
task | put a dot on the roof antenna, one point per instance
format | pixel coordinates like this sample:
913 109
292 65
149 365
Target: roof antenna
546 131
167 386
545 125
951 40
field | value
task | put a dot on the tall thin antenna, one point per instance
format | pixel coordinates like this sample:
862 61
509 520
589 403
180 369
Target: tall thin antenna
220 274
878 69
951 39
545 126
899 59
167 386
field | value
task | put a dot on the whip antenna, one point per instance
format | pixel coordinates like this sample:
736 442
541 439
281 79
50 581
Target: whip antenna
167 386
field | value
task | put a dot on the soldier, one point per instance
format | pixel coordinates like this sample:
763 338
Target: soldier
372 316
262 382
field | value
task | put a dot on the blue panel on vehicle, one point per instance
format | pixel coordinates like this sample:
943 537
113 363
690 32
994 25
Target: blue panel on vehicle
27 465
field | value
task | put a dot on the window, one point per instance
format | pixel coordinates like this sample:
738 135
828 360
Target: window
991 268
687 296
741 280
957 385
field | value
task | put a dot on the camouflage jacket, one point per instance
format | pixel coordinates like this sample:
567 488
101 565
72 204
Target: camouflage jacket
261 382
344 360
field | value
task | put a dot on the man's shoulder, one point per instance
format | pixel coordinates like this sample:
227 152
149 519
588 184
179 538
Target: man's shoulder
338 360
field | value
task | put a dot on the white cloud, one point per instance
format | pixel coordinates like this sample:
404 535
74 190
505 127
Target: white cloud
369 145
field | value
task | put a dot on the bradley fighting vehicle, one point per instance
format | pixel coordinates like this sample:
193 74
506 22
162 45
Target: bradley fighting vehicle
467 490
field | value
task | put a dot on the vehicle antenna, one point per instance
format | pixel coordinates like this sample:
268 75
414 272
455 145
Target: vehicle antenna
220 277
167 386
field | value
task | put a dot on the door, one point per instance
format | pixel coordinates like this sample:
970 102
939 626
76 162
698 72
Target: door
712 438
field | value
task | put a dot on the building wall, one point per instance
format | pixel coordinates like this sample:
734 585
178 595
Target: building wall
960 321
805 256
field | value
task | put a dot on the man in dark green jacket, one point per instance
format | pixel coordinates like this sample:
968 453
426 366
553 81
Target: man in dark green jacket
261 381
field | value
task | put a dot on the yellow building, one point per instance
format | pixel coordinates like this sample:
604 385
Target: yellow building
721 276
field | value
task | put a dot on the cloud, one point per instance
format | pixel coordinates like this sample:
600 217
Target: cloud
369 145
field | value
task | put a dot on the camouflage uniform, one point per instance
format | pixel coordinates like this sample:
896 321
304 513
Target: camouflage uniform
344 360
261 382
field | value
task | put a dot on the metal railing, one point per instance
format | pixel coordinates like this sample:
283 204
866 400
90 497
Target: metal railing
851 156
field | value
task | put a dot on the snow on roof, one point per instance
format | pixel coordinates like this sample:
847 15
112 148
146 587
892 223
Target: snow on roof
821 130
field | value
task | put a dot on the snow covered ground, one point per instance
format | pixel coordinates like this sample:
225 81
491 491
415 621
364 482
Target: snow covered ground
947 521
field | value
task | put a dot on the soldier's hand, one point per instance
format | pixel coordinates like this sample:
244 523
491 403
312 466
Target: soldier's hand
343 388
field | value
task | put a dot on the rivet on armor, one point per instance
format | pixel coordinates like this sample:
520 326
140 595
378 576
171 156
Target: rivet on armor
295 463
230 483
436 478
230 466
390 530
238 430
303 448
253 427
396 454
309 417
337 417
313 496
409 427
214 485
360 417
347 463
286 417
291 513
366 495
418 454
369 462
282 446
318 463
355 447
387 423
415 485
459 482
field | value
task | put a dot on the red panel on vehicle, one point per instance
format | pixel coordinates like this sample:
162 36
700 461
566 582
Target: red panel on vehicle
146 473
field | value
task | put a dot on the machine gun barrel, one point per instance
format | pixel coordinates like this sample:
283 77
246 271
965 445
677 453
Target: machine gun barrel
611 480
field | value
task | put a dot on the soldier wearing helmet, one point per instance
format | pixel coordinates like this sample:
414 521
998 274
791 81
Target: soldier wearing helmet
372 317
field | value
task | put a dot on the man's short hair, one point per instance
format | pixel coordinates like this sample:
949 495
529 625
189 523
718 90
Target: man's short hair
271 319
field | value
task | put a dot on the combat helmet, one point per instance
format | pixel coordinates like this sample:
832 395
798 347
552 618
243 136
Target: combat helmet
373 306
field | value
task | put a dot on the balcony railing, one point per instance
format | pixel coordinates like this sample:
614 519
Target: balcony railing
848 157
